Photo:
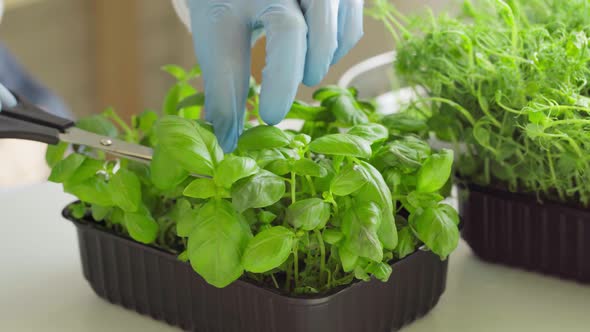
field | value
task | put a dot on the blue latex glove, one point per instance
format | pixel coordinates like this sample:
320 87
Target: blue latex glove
304 38
6 98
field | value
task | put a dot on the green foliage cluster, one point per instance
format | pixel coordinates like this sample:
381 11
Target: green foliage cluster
510 80
304 211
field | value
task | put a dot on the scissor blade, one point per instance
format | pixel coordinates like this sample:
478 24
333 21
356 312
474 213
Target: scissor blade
110 145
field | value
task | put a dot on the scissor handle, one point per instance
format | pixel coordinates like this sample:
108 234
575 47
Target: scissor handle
29 122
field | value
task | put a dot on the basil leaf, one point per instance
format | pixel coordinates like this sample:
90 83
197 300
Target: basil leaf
332 236
268 250
417 200
406 154
381 271
176 71
201 188
266 217
233 168
342 145
372 132
348 181
165 173
263 137
280 167
308 214
141 226
404 123
125 189
193 147
435 172
217 243
407 242
88 169
260 190
377 191
186 217
98 124
94 191
347 258
359 225
328 92
306 112
55 153
99 213
346 110
437 227
64 169
309 168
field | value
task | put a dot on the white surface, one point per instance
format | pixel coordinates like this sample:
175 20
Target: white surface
42 287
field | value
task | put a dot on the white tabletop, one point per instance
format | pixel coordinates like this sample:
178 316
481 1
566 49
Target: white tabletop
42 287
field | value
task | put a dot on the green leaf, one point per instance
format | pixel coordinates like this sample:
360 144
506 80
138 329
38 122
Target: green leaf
193 147
309 168
88 169
268 250
328 92
280 166
125 189
407 242
55 153
94 191
377 191
359 225
422 200
437 227
141 226
263 137
165 173
99 213
332 236
78 210
233 168
308 214
372 132
146 121
404 123
267 217
176 71
260 190
217 243
435 172
381 271
348 259
346 110
306 112
201 188
186 217
342 145
65 168
98 124
348 181
406 154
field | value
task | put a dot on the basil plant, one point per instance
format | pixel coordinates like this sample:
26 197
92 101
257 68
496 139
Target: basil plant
301 211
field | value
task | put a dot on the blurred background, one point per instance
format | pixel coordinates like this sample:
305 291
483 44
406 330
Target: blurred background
100 53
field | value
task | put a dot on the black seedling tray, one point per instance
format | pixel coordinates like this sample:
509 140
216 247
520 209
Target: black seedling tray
517 230
154 283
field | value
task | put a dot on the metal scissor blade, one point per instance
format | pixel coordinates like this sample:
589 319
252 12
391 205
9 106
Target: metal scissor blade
113 146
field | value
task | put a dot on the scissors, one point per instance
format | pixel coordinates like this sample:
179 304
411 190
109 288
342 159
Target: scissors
29 122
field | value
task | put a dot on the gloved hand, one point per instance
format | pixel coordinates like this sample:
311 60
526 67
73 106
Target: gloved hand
304 38
6 98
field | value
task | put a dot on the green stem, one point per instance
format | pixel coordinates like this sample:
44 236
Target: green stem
274 280
129 133
311 185
456 106
322 255
296 262
293 188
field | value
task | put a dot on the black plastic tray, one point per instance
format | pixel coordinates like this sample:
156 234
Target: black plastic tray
517 230
154 283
